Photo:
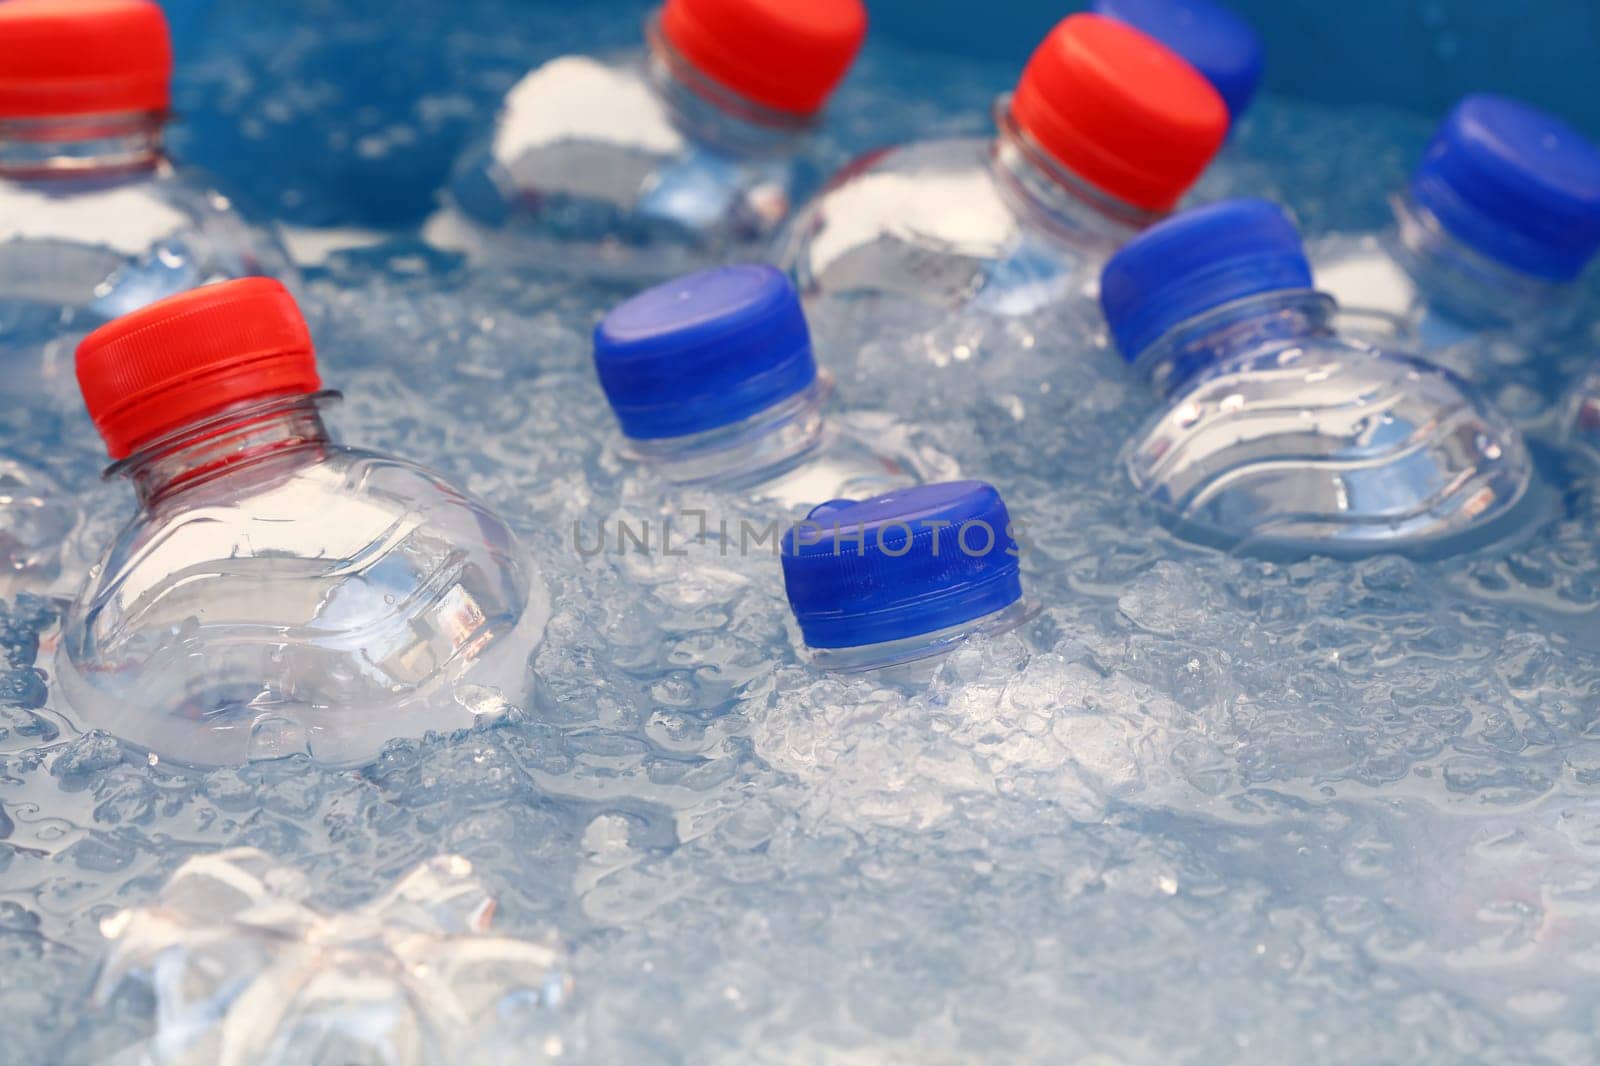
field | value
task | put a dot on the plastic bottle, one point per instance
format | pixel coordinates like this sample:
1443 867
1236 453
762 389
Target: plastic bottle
277 593
1499 220
656 163
1279 434
1215 41
903 577
1106 130
713 381
95 221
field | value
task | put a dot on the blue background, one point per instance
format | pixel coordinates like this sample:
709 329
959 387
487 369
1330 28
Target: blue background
362 67
1420 54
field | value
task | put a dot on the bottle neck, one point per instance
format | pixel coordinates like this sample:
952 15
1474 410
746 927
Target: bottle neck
1220 334
913 660
749 452
77 145
226 442
1463 282
1038 187
715 115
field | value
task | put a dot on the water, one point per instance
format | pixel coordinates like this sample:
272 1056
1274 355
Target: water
1202 808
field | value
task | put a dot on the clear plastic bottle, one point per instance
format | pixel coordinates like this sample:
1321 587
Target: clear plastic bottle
95 221
713 381
654 164
903 577
1280 434
1499 220
277 593
1105 132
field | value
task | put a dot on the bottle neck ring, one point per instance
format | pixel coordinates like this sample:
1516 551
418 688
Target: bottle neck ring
1465 282
923 648
747 452
74 145
1207 339
225 441
1062 202
714 113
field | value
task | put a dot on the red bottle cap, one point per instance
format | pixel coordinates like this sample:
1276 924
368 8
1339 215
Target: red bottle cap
1120 110
156 370
786 55
83 57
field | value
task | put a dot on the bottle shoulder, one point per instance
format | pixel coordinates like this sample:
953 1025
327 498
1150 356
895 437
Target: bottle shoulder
113 243
936 194
325 519
1333 444
930 225
590 167
579 100
305 606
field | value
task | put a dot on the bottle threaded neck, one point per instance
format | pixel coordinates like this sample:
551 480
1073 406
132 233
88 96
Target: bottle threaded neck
225 441
76 145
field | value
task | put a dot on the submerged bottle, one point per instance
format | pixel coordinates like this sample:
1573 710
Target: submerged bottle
1105 132
95 221
904 576
277 593
1216 42
652 165
1279 433
713 381
1499 219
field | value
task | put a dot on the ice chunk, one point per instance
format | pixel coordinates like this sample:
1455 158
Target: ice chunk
245 969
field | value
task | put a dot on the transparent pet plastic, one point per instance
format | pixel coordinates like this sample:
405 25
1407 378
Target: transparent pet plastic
798 454
96 222
279 594
914 660
632 169
1446 291
913 234
1294 437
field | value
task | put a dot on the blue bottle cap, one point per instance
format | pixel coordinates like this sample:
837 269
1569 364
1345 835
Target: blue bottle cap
902 564
1518 185
1196 261
1216 42
703 351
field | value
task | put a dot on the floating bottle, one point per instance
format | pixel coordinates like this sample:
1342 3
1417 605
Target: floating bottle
1499 220
905 576
95 220
685 155
277 593
1277 432
1105 132
713 381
